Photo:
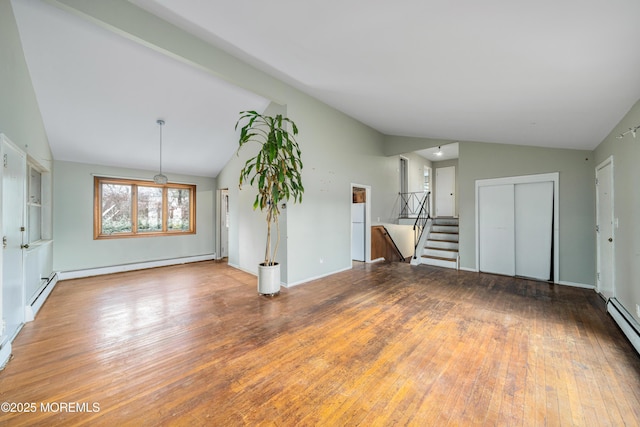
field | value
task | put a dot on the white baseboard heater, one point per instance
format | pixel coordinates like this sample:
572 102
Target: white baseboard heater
625 321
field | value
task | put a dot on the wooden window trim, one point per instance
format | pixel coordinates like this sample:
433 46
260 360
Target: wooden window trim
97 208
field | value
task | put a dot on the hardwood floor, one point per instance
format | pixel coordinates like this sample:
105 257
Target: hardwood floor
382 344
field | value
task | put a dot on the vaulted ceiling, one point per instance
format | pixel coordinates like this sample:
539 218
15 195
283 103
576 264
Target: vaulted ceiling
546 73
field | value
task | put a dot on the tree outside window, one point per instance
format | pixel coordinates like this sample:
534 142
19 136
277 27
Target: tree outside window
132 208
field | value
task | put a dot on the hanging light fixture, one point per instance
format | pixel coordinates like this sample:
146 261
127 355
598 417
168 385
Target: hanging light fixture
439 152
160 178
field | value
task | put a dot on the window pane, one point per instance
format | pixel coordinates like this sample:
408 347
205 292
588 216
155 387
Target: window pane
116 208
178 204
149 209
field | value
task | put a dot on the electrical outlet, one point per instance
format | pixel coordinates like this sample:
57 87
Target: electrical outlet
638 310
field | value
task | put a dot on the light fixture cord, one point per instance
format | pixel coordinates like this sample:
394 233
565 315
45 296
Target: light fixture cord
160 122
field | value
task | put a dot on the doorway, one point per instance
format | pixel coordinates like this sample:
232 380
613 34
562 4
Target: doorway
360 223
13 230
223 223
404 185
445 191
605 280
427 186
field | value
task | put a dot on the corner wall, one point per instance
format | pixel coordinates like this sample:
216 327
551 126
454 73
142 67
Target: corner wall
577 199
75 248
626 209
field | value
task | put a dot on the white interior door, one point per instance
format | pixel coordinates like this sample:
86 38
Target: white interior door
13 204
604 201
445 191
533 229
496 229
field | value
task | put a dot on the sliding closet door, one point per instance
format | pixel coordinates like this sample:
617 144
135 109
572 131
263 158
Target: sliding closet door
496 229
533 229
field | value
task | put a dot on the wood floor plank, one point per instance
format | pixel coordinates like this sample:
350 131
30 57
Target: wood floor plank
381 344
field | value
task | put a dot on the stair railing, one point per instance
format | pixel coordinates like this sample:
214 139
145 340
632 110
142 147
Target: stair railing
391 243
411 203
421 221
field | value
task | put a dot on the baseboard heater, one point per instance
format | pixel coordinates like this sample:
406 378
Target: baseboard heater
625 321
37 302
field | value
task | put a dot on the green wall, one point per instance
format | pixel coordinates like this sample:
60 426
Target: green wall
75 248
577 199
626 196
20 117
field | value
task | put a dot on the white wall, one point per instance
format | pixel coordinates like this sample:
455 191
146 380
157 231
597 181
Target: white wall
626 193
75 248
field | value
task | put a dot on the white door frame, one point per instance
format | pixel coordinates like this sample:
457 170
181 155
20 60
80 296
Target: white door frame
526 179
608 161
425 168
218 228
367 221
3 334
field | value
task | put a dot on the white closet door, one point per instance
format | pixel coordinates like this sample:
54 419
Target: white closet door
496 229
533 229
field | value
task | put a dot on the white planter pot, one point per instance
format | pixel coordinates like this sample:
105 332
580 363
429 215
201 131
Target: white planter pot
269 279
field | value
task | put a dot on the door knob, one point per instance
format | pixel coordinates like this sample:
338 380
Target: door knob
610 239
24 246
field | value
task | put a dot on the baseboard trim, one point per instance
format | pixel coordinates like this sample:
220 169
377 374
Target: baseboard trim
625 321
472 270
76 274
576 285
310 279
32 309
237 267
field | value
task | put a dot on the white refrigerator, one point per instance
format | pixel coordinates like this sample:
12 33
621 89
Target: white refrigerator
357 231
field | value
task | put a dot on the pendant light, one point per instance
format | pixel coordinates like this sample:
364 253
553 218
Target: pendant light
160 178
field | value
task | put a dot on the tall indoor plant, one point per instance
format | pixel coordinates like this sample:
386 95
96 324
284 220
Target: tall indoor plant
275 171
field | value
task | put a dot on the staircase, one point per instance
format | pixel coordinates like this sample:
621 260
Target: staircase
441 247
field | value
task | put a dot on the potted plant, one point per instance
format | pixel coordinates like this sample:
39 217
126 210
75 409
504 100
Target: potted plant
275 172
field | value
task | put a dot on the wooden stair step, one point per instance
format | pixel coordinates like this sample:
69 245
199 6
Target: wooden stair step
441 249
439 258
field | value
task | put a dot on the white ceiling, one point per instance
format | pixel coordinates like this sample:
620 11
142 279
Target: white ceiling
440 153
100 95
556 73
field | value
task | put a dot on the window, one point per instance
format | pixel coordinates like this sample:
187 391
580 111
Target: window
132 208
427 179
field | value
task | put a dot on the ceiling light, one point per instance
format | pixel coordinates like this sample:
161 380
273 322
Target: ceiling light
160 178
439 152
